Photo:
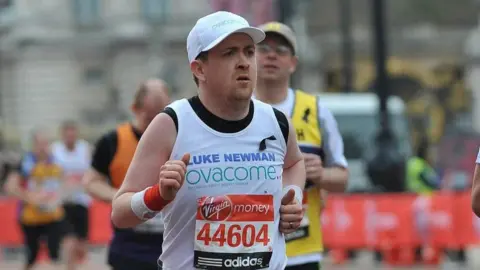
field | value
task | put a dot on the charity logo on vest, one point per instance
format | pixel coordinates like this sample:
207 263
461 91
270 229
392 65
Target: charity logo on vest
211 170
300 134
306 114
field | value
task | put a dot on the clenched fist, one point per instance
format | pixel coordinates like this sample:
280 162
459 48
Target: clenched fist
172 175
313 166
291 213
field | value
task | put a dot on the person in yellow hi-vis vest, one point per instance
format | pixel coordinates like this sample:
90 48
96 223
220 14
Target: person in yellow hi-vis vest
421 176
317 135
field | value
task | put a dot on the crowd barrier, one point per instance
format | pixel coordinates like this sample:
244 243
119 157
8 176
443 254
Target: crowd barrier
443 220
100 229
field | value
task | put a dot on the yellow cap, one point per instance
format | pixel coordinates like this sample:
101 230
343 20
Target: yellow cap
281 29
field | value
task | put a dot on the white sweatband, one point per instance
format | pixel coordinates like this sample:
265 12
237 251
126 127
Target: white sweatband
140 208
298 192
478 157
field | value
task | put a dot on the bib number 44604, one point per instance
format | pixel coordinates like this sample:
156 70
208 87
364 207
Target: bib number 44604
234 231
234 236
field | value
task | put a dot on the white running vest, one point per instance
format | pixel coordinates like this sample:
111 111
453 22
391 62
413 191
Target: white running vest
74 164
227 213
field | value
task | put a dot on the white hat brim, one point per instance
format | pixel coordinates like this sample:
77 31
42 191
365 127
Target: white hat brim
256 34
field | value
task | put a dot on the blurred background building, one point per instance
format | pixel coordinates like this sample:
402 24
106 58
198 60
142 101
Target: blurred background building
82 59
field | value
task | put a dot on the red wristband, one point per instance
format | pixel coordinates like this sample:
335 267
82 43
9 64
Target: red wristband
153 200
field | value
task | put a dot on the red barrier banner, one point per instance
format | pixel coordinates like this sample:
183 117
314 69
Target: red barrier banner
343 220
466 225
443 220
10 233
100 230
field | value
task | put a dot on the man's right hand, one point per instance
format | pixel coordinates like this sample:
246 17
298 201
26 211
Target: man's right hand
172 176
291 213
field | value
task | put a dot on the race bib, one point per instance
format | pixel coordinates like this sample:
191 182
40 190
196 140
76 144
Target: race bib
234 232
154 225
302 231
51 191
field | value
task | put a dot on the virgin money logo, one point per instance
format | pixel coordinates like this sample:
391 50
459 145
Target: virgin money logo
216 208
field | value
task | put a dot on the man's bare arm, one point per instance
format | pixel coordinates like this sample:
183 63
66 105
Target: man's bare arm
152 152
334 179
294 176
294 168
13 187
476 191
96 184
323 198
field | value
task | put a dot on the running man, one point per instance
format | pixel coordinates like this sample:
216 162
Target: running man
38 184
476 187
245 173
317 135
139 247
74 156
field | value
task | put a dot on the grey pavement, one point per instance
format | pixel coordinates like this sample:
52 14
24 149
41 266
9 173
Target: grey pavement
97 257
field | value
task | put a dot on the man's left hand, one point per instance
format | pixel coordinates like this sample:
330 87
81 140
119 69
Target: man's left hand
291 213
313 166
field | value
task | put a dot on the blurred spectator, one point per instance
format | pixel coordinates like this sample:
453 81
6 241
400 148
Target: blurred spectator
38 184
421 177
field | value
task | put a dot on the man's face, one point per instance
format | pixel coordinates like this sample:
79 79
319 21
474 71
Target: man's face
231 69
70 135
154 103
275 58
41 144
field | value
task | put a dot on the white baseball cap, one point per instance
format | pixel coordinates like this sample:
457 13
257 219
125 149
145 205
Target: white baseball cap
212 29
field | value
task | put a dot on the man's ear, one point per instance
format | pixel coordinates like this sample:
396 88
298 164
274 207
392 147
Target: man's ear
294 62
197 68
133 108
